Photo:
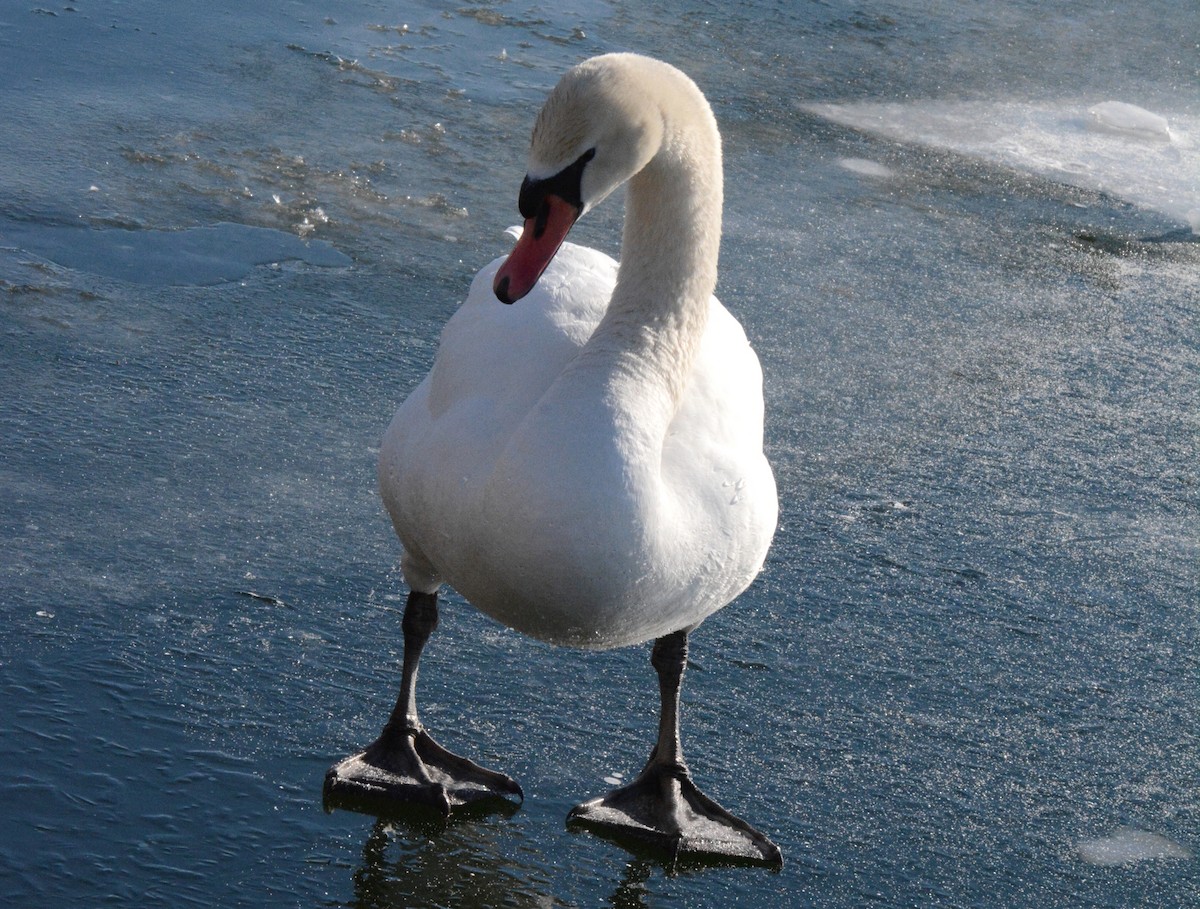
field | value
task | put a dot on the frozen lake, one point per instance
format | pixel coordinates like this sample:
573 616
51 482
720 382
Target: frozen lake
963 239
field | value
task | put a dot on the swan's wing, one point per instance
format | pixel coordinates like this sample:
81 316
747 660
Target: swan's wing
713 456
494 362
721 409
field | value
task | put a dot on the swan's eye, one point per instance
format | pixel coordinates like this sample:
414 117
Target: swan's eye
567 184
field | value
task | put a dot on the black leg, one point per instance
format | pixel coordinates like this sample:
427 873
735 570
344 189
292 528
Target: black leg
419 623
405 766
663 808
669 659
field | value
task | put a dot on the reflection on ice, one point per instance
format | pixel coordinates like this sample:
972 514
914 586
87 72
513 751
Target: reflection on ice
1114 147
1127 846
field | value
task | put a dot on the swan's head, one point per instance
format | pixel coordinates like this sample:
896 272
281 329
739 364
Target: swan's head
597 129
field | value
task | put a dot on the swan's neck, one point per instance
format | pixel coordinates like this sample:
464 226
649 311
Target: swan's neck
668 269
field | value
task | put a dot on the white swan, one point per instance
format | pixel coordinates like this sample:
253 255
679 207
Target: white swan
586 466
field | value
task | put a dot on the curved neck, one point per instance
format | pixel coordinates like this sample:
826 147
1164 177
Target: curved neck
669 250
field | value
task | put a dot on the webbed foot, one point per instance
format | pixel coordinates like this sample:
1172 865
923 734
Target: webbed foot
410 768
664 810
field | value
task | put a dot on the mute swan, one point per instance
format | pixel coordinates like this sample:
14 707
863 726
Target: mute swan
586 466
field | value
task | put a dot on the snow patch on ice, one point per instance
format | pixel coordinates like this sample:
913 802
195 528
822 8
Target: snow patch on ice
1128 846
866 167
1115 147
1129 120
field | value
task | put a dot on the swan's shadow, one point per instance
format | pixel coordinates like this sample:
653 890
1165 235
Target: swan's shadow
437 867
417 817
421 860
632 892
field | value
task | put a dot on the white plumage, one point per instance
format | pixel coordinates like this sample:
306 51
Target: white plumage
557 500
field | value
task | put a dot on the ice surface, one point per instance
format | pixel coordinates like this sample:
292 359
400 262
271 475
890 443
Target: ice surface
197 256
1128 846
982 590
1114 147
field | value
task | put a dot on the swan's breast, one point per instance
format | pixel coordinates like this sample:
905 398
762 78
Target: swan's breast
542 499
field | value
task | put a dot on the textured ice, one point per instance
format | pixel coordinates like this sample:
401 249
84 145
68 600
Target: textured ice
1128 846
200 255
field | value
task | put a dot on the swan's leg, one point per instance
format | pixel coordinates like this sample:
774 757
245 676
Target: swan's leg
405 766
663 808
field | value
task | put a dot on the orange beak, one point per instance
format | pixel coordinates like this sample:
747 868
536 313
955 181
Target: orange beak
540 240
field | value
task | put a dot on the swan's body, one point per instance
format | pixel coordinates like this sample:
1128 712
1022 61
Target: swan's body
586 465
541 473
